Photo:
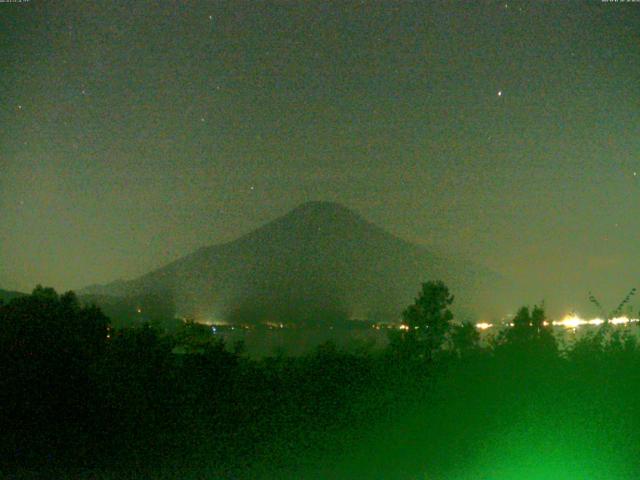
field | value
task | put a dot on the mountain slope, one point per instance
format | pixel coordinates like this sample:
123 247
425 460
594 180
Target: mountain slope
319 262
6 295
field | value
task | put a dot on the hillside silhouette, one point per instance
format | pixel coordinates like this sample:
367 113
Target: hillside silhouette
7 295
319 262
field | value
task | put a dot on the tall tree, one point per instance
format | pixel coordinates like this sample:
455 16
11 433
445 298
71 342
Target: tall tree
530 332
428 320
465 339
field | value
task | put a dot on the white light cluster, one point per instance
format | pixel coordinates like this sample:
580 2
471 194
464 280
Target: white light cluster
574 321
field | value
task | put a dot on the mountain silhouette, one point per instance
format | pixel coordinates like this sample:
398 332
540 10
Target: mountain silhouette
320 262
6 295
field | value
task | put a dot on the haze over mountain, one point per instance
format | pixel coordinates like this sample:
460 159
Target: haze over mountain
320 262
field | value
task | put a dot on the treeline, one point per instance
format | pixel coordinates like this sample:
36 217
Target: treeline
80 400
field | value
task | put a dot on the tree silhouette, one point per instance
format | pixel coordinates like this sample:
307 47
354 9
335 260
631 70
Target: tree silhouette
429 319
48 344
530 333
615 312
465 339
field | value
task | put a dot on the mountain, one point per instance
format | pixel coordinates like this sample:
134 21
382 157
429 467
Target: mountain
319 262
6 295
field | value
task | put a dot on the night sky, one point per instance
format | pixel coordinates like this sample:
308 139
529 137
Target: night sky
508 132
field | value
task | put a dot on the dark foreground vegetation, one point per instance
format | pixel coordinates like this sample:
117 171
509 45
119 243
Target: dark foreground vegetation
78 400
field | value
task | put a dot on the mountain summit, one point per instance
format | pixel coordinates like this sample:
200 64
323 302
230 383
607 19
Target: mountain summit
319 262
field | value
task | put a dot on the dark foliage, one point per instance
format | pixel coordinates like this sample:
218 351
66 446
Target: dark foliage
79 400
47 344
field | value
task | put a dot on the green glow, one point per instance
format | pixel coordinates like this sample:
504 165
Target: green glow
549 451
